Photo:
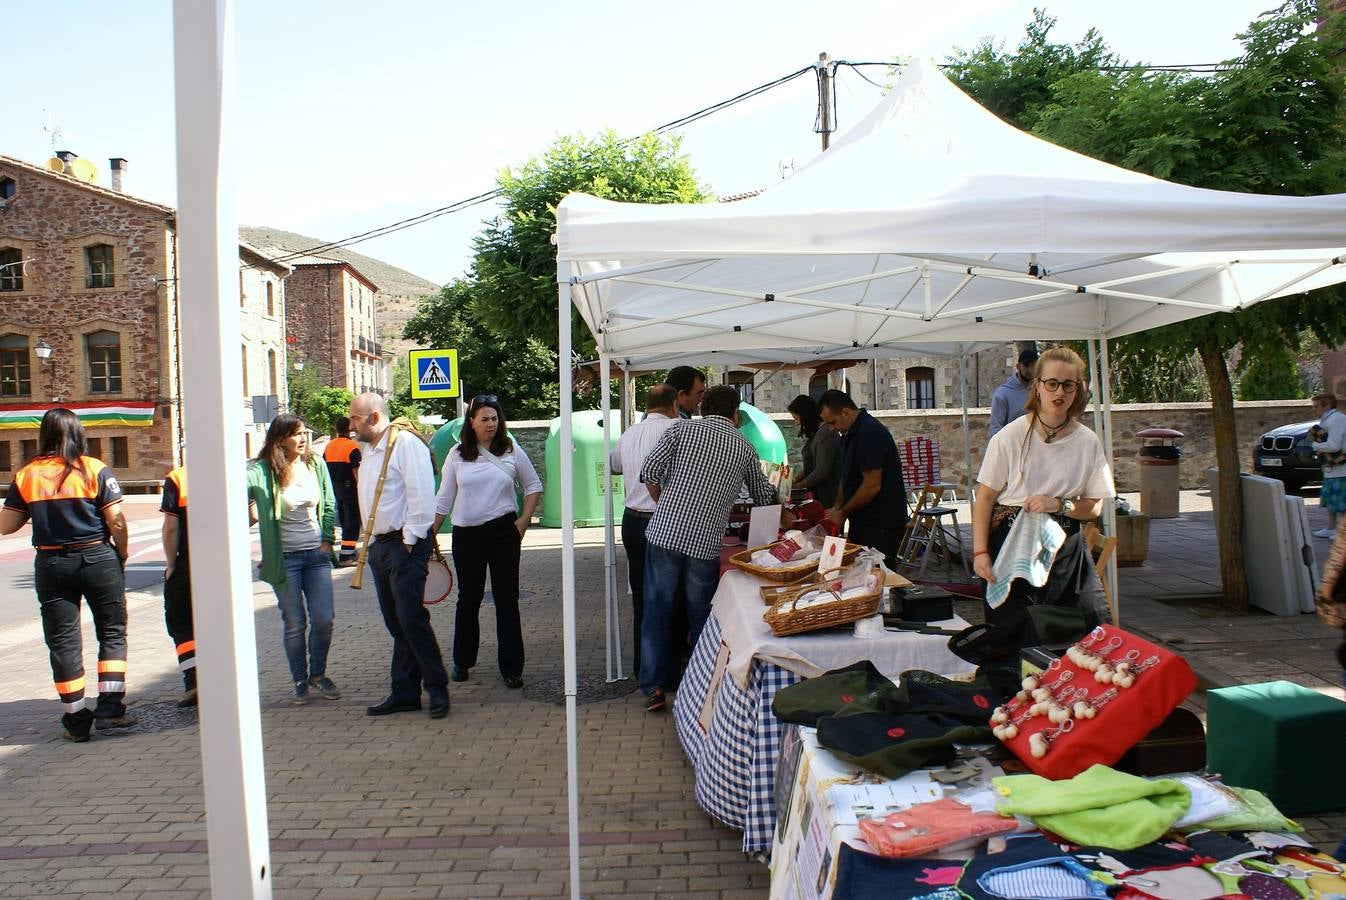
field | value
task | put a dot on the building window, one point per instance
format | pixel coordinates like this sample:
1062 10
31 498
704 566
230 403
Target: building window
245 371
741 382
920 388
120 458
15 376
271 371
98 266
27 450
270 299
104 349
11 269
4 456
8 188
94 447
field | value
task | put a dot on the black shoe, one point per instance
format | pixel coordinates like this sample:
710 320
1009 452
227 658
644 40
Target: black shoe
189 699
77 728
655 701
459 674
439 705
108 723
392 705
513 682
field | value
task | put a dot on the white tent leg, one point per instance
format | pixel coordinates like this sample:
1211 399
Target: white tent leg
568 572
967 442
612 596
1096 392
1110 514
232 766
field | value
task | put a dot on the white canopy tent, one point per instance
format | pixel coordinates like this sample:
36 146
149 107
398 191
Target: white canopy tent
931 220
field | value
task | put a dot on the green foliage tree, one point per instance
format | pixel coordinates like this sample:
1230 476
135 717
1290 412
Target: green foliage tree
303 385
502 317
1270 121
325 407
1270 375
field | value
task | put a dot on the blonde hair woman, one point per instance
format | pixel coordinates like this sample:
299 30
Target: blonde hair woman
1045 462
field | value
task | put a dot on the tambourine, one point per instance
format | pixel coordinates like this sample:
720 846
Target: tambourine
438 579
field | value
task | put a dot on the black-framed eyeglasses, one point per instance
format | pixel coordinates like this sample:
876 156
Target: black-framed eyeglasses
1053 385
482 399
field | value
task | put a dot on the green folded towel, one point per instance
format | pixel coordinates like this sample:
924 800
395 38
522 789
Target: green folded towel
1100 807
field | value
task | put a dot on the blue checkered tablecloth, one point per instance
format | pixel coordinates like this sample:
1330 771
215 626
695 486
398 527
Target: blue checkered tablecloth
734 756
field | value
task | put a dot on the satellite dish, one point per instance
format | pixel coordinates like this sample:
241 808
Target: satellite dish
55 164
84 170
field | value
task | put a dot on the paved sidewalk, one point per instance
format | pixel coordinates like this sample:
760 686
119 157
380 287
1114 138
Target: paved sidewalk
474 805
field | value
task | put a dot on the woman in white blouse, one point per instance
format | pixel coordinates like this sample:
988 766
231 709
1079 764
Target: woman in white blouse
477 493
1046 462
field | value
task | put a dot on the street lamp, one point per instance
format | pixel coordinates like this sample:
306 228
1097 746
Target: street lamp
299 365
43 350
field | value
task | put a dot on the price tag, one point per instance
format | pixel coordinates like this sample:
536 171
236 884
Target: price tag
834 548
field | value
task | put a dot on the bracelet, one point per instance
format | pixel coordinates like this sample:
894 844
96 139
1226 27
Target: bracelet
977 553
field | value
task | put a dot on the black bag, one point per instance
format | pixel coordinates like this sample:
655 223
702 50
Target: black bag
922 603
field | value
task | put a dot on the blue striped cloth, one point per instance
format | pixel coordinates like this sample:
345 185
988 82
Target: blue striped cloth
1028 552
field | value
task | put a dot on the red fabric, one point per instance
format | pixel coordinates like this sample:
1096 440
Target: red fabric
920 461
1118 726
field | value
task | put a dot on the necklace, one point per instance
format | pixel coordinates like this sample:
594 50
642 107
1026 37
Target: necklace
1051 431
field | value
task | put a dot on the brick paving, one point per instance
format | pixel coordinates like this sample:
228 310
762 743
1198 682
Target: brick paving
474 805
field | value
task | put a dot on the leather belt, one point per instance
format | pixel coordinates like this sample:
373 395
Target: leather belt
645 514
70 547
389 536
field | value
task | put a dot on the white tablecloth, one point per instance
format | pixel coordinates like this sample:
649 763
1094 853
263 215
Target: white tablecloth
738 606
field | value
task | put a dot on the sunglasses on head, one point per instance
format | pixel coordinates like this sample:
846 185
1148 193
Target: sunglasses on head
483 399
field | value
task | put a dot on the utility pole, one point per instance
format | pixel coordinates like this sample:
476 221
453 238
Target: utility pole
825 125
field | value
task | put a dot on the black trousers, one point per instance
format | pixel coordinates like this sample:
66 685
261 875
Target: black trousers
178 618
881 538
348 515
62 579
493 545
633 539
399 581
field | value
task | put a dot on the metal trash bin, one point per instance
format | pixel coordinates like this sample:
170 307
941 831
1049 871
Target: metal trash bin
1159 457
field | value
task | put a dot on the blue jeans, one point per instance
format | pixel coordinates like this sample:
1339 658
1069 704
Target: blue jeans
664 569
308 584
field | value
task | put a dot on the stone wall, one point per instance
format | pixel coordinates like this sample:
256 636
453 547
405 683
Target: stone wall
945 426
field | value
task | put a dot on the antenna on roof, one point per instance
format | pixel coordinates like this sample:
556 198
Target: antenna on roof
53 131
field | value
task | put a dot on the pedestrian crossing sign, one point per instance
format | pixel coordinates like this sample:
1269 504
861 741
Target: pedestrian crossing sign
434 374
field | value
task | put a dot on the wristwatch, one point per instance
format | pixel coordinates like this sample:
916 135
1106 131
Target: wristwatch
1067 505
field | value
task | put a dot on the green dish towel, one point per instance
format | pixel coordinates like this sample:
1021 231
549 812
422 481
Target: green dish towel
1100 807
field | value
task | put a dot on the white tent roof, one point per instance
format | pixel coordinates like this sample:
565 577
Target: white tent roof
921 224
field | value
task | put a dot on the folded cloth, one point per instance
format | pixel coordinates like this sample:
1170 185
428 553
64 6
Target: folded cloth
1028 553
1100 806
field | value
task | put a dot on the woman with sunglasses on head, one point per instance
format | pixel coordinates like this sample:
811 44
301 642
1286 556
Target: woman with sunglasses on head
477 491
290 498
1045 462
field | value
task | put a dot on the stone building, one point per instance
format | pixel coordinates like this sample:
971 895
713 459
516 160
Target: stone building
90 318
332 325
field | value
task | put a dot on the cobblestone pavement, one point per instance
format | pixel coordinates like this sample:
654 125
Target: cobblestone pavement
474 805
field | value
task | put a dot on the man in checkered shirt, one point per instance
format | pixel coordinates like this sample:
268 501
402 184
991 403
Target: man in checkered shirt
694 473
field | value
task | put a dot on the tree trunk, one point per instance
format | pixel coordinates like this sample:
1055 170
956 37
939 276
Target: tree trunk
1229 522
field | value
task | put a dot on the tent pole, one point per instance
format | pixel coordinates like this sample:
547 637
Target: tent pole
233 770
1096 393
1110 517
568 567
612 607
967 441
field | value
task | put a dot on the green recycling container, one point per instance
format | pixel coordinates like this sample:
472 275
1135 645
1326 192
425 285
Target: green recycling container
587 460
762 433
444 440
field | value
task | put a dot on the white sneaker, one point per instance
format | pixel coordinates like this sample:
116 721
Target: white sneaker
1325 533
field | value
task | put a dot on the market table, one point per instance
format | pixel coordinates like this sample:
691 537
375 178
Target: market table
722 711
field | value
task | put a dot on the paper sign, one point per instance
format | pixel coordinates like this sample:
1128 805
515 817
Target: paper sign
834 548
763 525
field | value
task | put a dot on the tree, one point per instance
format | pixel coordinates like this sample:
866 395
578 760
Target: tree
1270 121
303 385
325 407
1271 375
502 317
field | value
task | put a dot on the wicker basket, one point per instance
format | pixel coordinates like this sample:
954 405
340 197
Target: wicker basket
786 574
775 593
785 618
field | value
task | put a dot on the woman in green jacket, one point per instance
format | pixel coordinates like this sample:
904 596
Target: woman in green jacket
290 498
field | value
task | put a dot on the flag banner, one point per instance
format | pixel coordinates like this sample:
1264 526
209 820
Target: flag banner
92 414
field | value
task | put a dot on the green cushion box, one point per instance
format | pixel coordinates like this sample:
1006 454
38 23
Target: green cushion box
1281 739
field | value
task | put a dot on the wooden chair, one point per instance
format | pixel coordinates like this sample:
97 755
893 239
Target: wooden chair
1102 549
922 498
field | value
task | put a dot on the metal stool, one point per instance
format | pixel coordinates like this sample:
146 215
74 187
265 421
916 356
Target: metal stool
929 535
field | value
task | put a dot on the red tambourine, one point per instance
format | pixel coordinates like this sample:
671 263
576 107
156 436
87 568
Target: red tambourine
438 579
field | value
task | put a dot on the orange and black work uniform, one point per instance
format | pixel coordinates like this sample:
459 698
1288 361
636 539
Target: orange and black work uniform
76 559
178 585
343 464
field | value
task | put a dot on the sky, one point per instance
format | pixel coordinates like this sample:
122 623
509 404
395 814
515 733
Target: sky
353 115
